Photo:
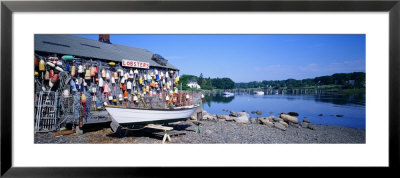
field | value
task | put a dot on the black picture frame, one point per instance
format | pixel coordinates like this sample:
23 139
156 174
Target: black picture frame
8 7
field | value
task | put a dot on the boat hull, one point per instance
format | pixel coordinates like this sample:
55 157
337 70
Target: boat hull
130 116
228 94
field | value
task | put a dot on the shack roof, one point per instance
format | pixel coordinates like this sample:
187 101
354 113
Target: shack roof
89 48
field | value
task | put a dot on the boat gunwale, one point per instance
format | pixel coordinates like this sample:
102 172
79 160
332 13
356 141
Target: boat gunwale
150 109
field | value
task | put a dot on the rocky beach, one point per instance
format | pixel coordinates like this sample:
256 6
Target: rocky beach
235 128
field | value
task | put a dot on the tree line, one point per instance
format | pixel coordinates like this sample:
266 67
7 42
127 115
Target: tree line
206 83
345 80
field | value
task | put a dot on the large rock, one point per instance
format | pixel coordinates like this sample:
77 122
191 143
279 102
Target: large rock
207 117
234 114
253 120
229 118
284 123
274 119
211 117
258 120
244 114
222 117
294 125
304 124
279 126
267 122
288 118
243 117
193 117
293 113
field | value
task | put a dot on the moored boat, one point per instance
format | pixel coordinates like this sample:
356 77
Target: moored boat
227 94
259 93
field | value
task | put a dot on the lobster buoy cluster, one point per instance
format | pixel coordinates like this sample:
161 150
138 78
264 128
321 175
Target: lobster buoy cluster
106 81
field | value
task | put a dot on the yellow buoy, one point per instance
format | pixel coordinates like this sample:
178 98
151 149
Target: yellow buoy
41 65
140 80
83 98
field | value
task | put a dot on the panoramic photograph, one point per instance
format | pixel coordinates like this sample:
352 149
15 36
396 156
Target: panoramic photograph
199 89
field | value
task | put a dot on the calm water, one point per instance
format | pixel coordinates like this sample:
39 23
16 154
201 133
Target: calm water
352 107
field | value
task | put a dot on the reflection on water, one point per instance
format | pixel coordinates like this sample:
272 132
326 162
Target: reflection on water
217 99
344 99
339 99
309 106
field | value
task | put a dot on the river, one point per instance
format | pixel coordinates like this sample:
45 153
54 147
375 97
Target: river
317 108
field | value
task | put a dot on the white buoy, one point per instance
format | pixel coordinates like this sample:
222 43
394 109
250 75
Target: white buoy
66 93
80 69
50 64
59 69
129 85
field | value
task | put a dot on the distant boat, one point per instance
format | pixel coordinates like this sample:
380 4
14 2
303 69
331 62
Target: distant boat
259 92
227 94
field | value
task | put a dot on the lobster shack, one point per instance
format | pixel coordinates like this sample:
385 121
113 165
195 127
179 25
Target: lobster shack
81 81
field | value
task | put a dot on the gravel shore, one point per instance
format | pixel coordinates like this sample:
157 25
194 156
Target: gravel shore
218 131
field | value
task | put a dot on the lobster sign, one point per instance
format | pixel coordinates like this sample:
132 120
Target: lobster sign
136 64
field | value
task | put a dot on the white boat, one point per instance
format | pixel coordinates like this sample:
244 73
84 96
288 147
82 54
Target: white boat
276 92
259 92
227 94
124 116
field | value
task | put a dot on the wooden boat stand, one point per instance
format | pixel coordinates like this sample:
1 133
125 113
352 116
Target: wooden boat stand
165 129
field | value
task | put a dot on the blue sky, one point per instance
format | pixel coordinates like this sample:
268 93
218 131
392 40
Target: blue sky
245 58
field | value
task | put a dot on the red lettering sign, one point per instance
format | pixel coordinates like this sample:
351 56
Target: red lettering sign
137 64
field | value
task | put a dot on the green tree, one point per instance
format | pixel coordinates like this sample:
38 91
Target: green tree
184 80
208 84
202 82
223 83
